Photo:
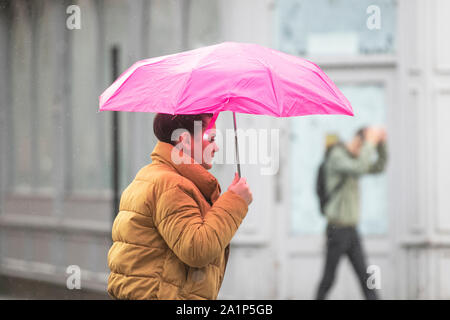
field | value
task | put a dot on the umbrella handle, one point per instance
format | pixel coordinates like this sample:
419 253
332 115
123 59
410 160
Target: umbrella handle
236 145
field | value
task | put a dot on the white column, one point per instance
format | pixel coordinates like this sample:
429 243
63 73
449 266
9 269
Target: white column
424 77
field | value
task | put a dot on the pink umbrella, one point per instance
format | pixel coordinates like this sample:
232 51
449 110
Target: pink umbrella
237 77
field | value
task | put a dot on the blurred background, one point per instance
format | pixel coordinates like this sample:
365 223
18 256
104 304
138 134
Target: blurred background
391 58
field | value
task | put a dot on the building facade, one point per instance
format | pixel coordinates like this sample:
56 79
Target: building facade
390 58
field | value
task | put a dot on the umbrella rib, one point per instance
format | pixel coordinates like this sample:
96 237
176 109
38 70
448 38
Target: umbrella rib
182 92
190 76
269 72
314 70
262 105
327 84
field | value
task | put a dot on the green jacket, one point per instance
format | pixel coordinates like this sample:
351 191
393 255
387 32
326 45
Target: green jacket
343 207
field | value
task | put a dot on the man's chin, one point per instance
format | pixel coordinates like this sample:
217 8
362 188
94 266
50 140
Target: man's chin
207 166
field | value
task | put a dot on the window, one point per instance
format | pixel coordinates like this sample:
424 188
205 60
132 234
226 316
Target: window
307 147
335 27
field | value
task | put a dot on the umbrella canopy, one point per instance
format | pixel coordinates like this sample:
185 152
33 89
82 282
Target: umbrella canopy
230 76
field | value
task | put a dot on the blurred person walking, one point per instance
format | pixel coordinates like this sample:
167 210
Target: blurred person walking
172 234
344 164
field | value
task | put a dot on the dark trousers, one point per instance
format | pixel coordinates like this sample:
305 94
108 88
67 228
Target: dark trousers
340 241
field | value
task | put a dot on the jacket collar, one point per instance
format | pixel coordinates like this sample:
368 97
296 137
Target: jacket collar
205 181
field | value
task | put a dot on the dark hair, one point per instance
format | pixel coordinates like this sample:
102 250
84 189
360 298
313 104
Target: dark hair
361 133
165 124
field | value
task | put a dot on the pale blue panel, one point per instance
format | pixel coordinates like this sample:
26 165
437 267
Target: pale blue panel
307 144
346 20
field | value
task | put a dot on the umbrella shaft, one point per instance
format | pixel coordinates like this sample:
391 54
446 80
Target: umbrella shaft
116 139
236 145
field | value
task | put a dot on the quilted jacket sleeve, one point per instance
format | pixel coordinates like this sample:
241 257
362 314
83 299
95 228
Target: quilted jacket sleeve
198 240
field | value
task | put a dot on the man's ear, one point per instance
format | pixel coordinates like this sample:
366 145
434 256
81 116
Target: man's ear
185 139
181 137
183 145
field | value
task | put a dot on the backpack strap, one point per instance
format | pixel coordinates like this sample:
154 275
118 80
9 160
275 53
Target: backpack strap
335 189
341 182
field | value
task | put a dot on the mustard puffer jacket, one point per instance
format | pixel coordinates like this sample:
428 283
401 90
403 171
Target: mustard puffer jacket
172 233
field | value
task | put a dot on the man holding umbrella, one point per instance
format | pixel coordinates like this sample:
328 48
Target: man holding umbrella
172 234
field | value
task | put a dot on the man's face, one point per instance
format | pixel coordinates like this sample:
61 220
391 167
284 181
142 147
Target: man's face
209 146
